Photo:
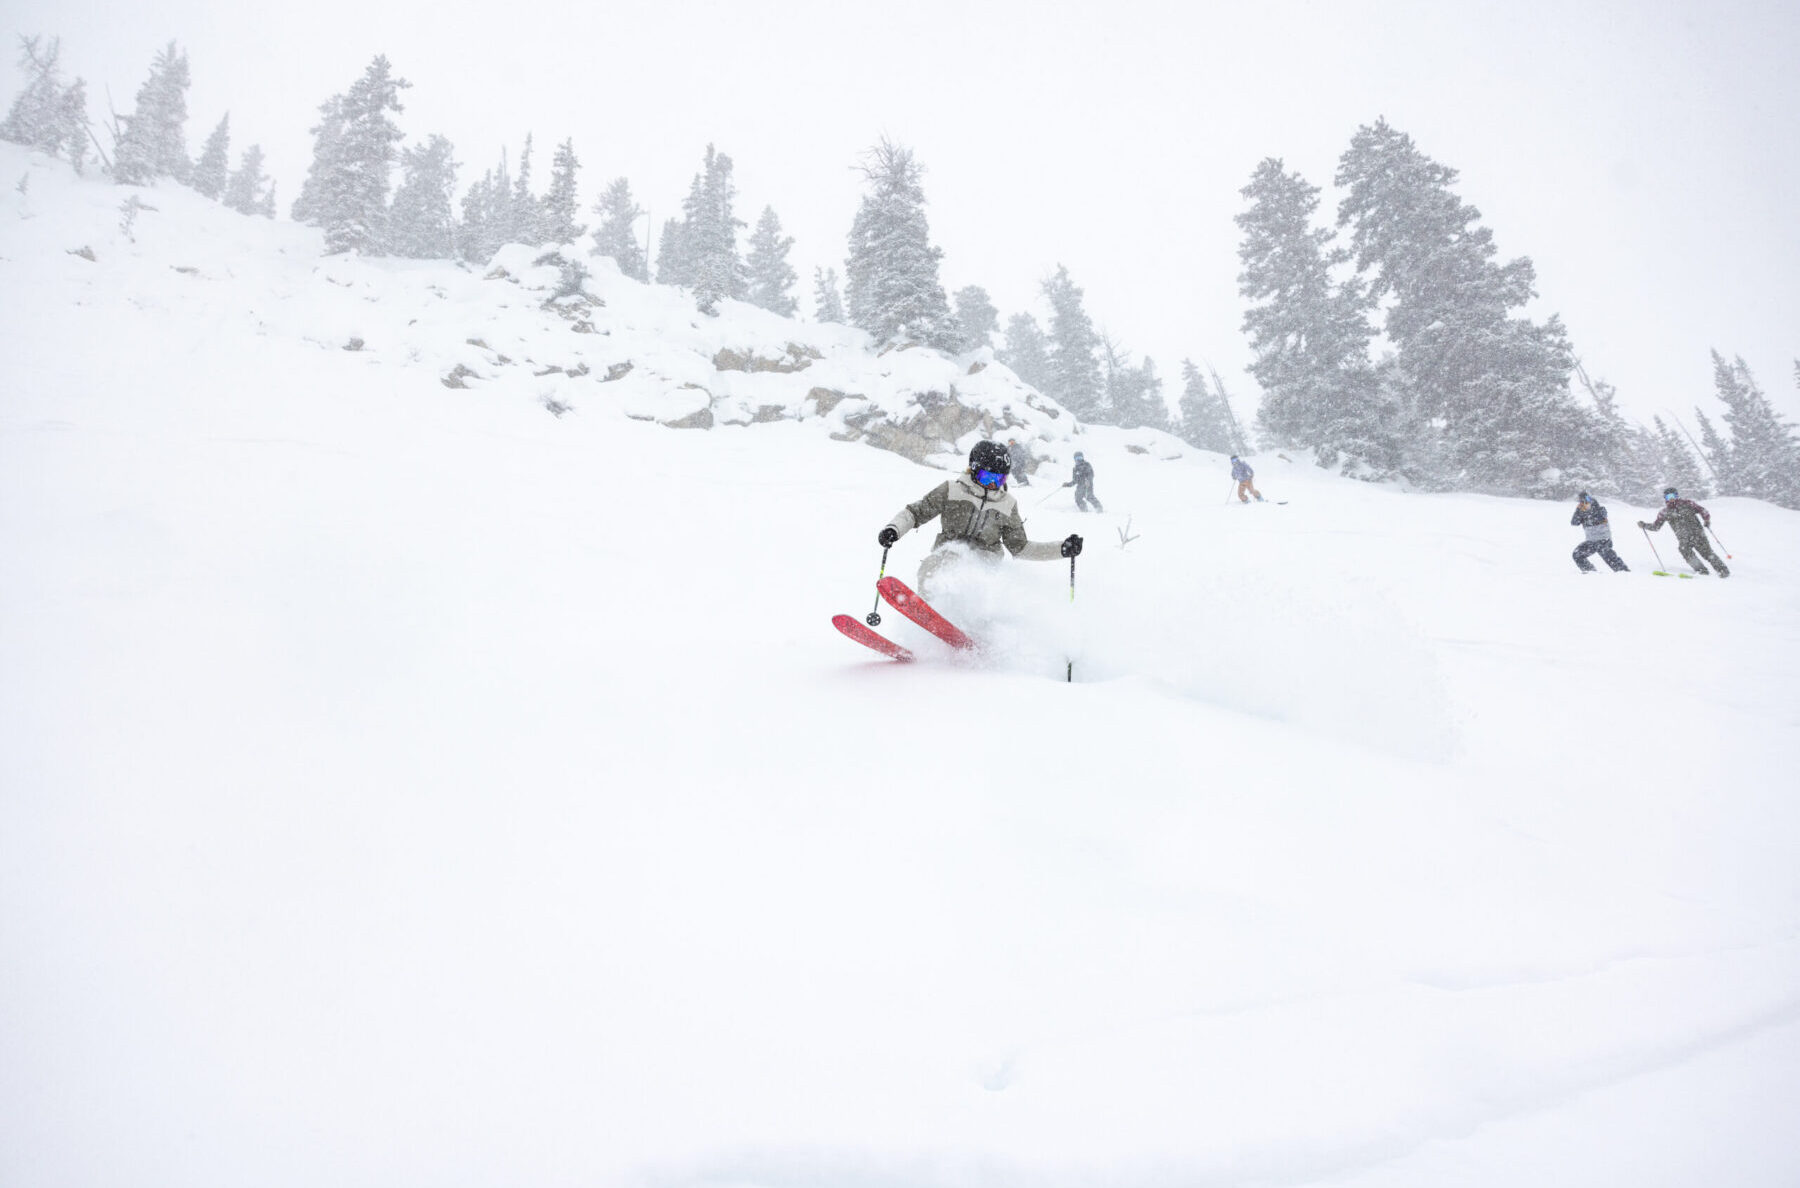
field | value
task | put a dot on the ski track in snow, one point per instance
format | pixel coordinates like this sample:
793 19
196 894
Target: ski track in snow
404 784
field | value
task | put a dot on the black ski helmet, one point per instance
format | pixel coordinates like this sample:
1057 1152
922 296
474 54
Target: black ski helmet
1668 491
990 455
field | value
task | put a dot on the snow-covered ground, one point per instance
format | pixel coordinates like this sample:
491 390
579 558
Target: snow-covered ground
401 784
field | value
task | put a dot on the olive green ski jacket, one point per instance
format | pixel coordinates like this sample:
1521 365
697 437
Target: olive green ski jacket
987 520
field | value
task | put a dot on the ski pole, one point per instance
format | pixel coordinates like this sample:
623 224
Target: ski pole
1047 498
1652 545
1715 536
874 617
1069 675
1229 494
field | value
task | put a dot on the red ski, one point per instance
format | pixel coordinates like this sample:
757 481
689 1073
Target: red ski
920 612
863 635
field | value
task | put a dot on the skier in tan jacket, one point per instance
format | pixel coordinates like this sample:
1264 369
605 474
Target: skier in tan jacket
975 510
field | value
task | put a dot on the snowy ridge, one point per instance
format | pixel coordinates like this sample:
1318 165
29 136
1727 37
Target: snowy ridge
403 783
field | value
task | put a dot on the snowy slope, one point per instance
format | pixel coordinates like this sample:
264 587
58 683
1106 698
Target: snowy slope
404 784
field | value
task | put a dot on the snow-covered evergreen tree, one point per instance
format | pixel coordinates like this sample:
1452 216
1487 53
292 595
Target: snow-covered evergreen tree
152 141
1764 453
1027 351
616 236
268 203
710 235
47 115
559 207
828 306
674 263
1714 453
892 285
422 221
327 136
1077 382
767 270
476 240
525 221
1679 469
1205 422
976 317
1485 392
1134 394
244 189
1310 335
355 147
211 170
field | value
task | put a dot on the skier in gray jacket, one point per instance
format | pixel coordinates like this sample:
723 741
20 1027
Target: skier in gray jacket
974 509
1590 516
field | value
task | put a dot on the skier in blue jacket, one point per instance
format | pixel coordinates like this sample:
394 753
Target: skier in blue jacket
1240 470
1591 516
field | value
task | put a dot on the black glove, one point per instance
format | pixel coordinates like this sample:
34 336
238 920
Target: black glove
1642 524
887 537
1068 484
1072 546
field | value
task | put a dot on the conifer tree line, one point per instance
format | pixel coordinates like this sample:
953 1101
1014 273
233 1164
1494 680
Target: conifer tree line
148 143
1390 340
1462 391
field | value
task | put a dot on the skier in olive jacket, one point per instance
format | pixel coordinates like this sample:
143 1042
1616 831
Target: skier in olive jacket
1690 522
974 509
1591 516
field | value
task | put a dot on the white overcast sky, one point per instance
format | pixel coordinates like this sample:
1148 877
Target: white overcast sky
1645 155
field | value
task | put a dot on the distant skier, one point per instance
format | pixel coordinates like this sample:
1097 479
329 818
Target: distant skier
1590 515
1083 482
1020 459
1240 470
1690 522
974 509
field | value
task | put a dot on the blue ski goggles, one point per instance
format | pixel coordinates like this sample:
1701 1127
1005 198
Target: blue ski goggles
993 480
1668 499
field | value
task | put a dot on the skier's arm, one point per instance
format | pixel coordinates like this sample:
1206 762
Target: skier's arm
1576 518
1705 515
923 511
1012 535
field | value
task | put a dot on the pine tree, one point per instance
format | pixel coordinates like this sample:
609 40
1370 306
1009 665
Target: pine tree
891 275
525 224
1678 466
976 317
1485 393
74 125
1134 394
559 205
1076 381
355 146
210 170
47 115
1205 423
268 203
827 305
1765 454
422 223
152 142
474 234
243 190
1309 334
710 235
1027 351
1715 455
328 136
616 236
674 263
767 269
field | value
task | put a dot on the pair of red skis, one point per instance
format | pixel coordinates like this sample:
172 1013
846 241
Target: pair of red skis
902 599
